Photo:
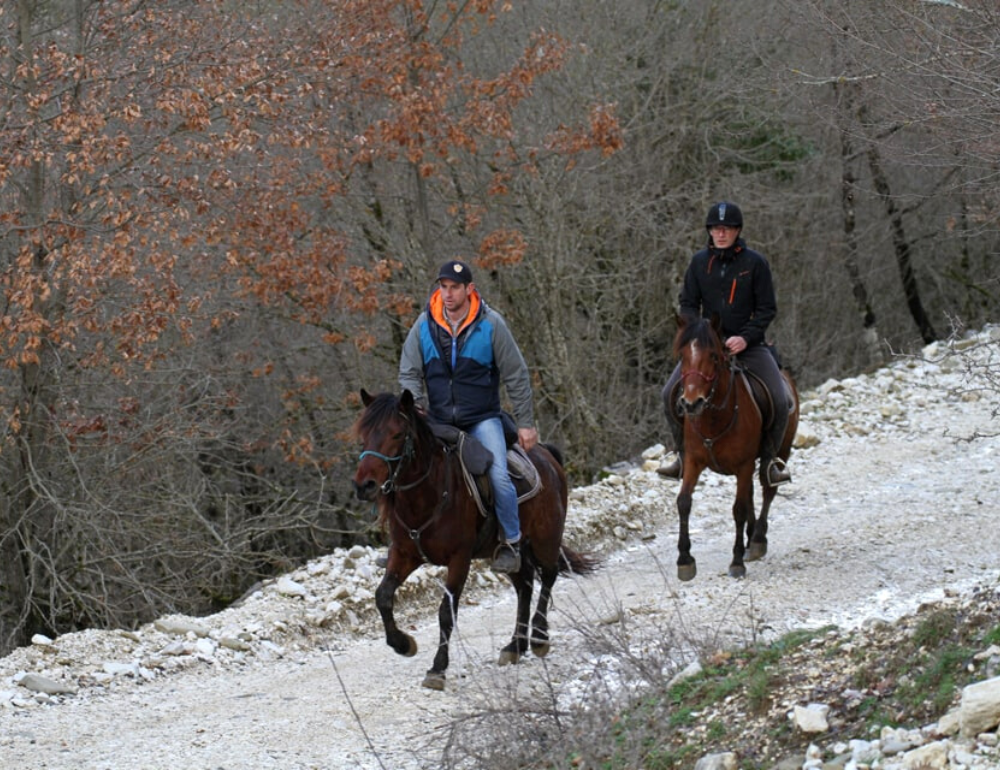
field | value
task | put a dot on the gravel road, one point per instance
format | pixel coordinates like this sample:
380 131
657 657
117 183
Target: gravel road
890 506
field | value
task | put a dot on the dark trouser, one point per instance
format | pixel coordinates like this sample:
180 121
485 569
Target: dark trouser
759 361
675 420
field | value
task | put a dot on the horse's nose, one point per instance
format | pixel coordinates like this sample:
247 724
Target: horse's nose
692 408
365 491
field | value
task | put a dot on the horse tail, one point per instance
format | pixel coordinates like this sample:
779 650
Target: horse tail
574 563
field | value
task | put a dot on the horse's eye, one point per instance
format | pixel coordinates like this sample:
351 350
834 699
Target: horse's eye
398 436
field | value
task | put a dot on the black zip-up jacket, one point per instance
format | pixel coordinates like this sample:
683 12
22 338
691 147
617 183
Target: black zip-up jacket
735 283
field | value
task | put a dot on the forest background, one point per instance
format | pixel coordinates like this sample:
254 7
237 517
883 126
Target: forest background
219 219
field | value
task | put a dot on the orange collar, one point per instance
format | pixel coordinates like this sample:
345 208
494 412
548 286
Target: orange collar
437 311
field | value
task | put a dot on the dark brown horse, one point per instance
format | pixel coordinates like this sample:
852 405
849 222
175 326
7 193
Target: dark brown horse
432 518
723 428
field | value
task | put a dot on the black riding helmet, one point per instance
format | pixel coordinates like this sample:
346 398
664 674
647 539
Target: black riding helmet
724 213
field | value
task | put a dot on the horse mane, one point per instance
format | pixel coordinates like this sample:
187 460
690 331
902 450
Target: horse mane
697 330
381 410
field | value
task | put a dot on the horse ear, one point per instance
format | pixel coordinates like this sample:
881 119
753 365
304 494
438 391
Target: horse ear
406 401
366 397
717 323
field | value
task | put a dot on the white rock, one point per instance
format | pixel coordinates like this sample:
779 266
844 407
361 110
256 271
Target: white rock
950 723
805 438
812 718
233 643
933 756
723 761
180 627
654 452
42 684
121 669
288 587
691 669
980 707
205 647
177 648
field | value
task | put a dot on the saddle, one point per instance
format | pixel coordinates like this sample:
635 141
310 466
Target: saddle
763 397
475 460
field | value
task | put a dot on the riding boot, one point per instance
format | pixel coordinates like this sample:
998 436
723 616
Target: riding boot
772 466
674 469
507 558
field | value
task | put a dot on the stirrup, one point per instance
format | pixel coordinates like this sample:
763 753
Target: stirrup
777 473
507 558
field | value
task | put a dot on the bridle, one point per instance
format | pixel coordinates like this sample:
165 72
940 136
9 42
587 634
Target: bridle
396 465
401 460
709 442
714 379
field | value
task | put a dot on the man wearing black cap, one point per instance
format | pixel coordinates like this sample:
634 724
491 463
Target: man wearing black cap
734 281
460 350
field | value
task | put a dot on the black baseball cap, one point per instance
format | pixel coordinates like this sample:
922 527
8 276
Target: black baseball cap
457 271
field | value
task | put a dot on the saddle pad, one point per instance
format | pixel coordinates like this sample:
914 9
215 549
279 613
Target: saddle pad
522 472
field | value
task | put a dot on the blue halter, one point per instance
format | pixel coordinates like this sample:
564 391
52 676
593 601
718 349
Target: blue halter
390 483
379 455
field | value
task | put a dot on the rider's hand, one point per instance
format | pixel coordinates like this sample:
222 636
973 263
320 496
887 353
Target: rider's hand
527 438
736 345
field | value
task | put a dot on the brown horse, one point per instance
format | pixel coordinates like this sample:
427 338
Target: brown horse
433 518
723 428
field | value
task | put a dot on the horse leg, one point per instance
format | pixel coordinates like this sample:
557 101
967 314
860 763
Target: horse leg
447 614
519 642
385 596
540 622
743 520
686 566
758 539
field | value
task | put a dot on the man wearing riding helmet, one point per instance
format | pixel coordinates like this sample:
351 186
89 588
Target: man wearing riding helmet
729 279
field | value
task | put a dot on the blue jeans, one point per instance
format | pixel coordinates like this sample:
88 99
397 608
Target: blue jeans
490 434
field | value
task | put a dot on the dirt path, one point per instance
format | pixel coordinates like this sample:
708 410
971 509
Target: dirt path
885 512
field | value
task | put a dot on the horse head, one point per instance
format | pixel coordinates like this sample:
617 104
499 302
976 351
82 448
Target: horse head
704 362
386 432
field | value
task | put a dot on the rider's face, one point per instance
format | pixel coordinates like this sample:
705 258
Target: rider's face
723 236
455 296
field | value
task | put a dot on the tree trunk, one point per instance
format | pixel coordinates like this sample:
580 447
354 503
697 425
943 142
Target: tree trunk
870 336
901 246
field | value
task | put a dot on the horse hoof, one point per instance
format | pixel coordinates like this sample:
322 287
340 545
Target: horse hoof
508 657
686 572
737 571
434 680
408 649
756 551
541 649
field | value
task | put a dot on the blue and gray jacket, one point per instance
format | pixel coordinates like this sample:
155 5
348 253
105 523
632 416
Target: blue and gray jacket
462 372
